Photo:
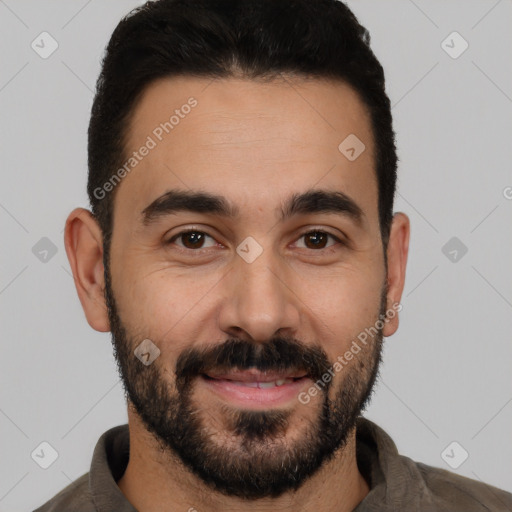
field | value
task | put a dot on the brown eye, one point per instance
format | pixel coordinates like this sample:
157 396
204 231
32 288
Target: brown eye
318 239
191 239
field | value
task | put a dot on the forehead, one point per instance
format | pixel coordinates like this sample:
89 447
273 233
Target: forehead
254 142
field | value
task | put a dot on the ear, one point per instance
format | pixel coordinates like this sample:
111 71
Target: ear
397 251
84 247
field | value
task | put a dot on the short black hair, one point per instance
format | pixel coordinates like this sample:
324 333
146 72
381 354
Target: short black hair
254 39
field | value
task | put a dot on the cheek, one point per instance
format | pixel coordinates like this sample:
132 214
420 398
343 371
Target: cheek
340 307
163 305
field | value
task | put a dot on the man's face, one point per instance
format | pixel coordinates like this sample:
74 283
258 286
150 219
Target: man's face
240 302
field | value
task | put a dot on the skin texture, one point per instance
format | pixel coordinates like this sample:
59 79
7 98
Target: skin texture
254 143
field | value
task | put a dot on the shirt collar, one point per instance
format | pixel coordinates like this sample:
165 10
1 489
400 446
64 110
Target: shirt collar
395 481
108 465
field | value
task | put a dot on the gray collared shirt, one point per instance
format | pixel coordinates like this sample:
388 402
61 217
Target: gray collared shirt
396 482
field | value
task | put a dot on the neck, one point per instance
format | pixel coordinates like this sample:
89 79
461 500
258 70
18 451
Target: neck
155 481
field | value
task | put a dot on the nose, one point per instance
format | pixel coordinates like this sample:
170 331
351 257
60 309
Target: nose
259 300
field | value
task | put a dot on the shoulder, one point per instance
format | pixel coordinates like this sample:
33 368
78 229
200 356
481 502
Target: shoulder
452 492
400 483
76 497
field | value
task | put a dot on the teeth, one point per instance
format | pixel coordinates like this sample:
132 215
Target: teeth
264 385
247 384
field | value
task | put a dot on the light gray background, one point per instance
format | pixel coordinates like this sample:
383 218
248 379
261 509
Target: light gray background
447 372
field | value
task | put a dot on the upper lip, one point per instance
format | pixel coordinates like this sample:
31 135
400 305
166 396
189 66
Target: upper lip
255 375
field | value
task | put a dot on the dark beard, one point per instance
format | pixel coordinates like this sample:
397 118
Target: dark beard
254 460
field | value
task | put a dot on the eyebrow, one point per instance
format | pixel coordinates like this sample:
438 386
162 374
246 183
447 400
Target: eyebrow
311 201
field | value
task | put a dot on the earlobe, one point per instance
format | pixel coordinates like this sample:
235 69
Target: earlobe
397 252
84 248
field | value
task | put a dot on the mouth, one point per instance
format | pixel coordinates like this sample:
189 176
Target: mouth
252 388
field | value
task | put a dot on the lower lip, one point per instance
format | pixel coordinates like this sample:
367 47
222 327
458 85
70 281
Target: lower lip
256 397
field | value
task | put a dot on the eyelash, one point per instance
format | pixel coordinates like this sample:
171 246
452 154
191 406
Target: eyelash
199 252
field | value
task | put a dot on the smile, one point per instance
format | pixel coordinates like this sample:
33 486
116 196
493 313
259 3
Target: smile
254 389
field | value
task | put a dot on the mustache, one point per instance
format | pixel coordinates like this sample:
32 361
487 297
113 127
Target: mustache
279 354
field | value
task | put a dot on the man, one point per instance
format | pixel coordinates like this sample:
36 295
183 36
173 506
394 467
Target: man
242 250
